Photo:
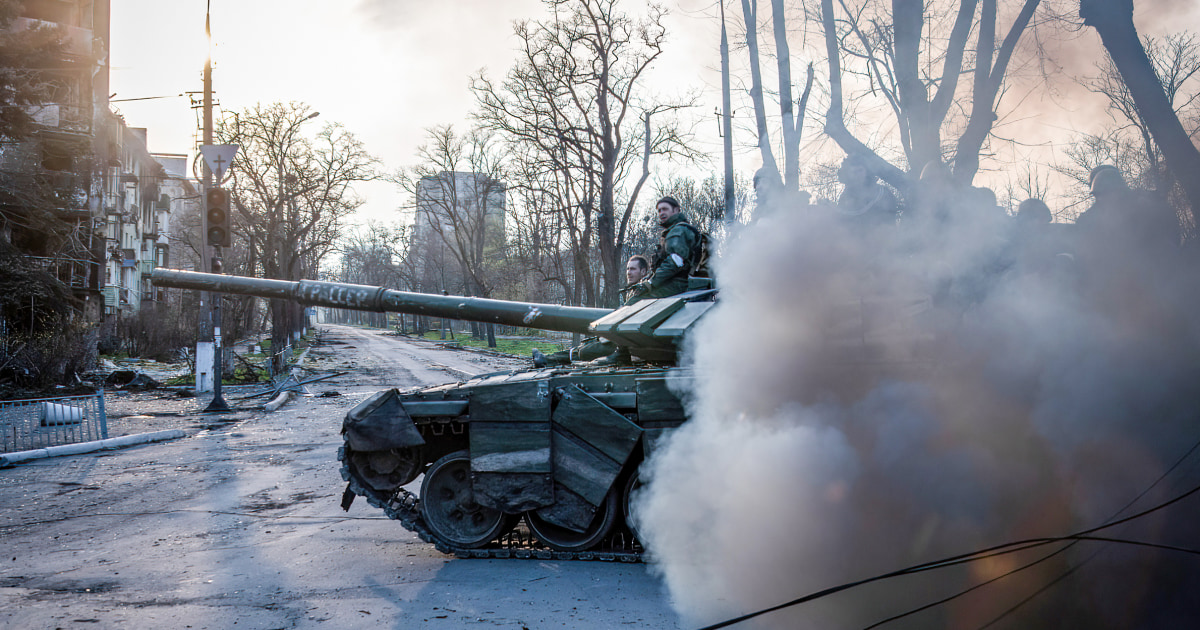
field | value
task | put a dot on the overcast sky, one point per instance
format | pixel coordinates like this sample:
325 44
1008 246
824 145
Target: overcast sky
386 69
389 69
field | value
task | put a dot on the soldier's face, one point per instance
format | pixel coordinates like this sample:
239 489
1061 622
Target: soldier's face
666 211
851 173
634 272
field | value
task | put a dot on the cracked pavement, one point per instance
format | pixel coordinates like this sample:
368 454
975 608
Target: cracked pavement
238 525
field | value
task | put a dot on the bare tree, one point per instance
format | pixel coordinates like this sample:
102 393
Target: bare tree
573 102
291 193
1176 61
892 49
1113 20
791 116
369 255
460 198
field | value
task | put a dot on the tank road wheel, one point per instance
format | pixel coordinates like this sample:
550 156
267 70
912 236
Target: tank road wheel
630 487
449 508
563 539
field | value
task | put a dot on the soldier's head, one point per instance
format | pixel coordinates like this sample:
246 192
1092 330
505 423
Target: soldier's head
1106 179
667 207
636 269
1032 214
855 171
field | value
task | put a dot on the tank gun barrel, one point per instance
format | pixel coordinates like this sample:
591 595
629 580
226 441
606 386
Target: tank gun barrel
573 319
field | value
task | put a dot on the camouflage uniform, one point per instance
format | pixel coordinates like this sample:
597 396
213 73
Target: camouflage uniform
673 258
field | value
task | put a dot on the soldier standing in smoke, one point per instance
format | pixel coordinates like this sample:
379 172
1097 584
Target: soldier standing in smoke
1125 218
864 202
636 269
1126 244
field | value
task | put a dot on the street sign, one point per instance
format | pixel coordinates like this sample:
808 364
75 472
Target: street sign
218 157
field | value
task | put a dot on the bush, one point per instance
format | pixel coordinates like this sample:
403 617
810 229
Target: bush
50 357
156 332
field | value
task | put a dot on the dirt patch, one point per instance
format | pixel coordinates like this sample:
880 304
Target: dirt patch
132 412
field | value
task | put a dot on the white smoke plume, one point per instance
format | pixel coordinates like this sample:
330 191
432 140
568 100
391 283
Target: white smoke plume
868 400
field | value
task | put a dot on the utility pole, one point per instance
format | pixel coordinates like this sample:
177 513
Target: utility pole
730 210
204 341
218 403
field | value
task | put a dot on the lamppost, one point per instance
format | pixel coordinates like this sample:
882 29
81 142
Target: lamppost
286 215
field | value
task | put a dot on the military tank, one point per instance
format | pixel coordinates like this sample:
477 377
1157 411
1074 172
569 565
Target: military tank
555 448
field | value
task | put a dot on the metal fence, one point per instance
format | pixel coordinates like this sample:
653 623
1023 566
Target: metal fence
32 424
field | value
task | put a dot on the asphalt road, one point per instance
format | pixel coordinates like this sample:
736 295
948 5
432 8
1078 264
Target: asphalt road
238 525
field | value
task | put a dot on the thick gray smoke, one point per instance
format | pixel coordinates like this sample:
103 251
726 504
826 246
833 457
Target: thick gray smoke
866 399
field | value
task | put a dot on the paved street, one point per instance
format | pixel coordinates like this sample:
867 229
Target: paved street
238 525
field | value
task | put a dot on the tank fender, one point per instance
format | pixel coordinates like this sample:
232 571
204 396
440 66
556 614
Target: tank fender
380 423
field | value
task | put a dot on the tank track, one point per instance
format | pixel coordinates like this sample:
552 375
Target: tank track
519 543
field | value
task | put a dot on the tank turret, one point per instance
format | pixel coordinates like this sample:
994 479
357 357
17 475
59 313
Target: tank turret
556 449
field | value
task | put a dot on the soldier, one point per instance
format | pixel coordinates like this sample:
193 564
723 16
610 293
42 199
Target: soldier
1124 222
864 201
675 253
673 261
636 269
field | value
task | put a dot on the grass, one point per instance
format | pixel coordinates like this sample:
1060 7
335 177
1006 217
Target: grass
243 375
518 346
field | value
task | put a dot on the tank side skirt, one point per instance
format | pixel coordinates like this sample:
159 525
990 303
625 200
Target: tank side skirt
404 506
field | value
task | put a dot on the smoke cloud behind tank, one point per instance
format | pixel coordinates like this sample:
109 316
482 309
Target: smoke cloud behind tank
869 400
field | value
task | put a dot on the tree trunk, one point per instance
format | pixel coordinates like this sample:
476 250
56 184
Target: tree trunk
924 134
727 125
791 132
750 12
1113 20
835 123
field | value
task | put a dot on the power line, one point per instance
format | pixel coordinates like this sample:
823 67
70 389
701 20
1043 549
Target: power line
1051 583
981 554
143 98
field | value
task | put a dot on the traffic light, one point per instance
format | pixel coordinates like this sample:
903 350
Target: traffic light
220 219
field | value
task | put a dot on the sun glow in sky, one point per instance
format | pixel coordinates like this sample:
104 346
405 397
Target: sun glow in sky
389 69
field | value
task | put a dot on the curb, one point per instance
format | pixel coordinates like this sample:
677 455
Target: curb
9 459
278 401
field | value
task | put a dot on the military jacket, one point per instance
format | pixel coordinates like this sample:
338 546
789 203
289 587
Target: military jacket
673 257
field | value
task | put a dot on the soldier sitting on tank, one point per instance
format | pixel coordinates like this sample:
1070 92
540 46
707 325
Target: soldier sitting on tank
636 269
673 259
674 255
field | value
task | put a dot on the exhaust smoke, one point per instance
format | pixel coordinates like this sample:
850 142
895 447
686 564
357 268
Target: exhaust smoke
866 399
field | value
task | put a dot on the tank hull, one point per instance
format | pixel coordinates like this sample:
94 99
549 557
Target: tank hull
556 448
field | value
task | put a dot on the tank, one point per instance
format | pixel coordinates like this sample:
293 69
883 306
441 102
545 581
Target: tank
541 463
526 463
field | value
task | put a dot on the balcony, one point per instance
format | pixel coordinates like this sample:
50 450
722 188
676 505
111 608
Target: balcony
72 272
77 42
62 117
